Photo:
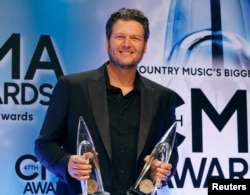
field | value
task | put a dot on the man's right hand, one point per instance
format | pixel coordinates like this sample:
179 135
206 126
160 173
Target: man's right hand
79 167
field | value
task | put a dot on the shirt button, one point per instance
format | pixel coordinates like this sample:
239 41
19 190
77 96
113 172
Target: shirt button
121 171
122 151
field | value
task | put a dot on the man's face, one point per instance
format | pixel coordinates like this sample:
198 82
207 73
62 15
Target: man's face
126 45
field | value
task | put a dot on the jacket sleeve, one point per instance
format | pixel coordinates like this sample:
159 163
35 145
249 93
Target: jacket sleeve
174 158
48 145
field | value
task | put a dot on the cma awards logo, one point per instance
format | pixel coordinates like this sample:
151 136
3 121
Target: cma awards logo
20 93
28 169
200 105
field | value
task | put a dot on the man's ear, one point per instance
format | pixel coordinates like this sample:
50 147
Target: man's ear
106 43
145 47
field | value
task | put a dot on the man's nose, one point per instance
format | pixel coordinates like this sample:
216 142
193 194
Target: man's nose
127 42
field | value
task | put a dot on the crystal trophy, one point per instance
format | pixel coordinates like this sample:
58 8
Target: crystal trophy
86 149
162 151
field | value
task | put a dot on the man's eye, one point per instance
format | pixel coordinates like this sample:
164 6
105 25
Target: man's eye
136 39
119 37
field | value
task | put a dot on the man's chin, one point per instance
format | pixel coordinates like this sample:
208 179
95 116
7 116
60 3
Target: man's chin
127 66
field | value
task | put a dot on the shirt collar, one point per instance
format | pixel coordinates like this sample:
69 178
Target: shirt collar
136 82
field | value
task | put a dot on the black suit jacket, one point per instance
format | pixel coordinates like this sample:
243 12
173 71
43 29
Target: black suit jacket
84 94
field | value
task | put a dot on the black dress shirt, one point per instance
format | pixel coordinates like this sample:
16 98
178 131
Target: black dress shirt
124 115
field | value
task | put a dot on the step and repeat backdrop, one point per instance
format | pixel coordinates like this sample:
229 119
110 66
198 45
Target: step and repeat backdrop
199 48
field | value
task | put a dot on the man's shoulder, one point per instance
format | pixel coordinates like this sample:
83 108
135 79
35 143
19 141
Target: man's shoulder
148 83
88 74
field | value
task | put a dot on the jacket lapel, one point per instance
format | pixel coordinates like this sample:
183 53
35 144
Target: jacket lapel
147 94
98 97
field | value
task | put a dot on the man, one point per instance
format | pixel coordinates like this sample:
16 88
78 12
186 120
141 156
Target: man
125 112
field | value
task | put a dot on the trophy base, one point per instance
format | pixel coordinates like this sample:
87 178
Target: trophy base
133 191
101 193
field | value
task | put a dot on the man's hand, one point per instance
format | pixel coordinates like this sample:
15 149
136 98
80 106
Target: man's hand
79 167
159 170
